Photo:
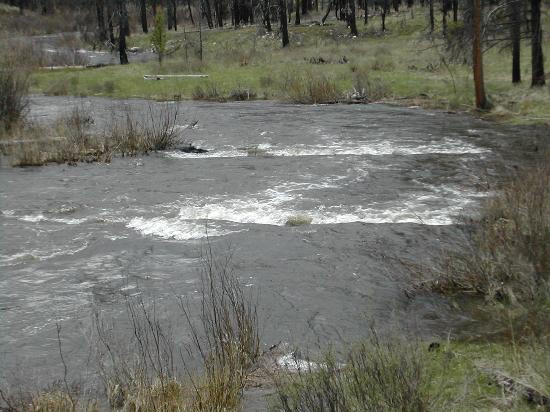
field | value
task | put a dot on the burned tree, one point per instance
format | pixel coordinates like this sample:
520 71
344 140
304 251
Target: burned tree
143 16
282 20
537 57
351 17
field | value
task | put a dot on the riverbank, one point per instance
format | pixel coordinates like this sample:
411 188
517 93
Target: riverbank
404 65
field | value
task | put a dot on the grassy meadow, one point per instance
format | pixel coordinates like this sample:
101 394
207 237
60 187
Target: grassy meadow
405 64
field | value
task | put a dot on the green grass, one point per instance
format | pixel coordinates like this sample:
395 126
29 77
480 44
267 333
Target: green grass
249 58
387 373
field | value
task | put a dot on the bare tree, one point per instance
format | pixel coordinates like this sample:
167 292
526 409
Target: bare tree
282 19
143 15
537 57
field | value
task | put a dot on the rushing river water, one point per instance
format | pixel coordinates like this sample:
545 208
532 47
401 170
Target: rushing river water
379 183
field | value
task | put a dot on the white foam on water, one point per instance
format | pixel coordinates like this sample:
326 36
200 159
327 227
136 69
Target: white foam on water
175 228
355 148
41 218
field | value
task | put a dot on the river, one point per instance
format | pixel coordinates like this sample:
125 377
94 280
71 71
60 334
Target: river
380 183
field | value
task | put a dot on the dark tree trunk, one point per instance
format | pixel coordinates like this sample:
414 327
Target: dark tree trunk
366 7
329 7
385 9
515 26
208 13
143 15
266 12
236 14
219 12
537 57
432 17
481 98
455 11
122 21
175 14
282 19
190 12
101 31
169 22
110 23
297 20
125 20
351 18
304 6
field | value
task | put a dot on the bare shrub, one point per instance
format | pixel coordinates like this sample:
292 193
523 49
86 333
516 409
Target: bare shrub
366 87
241 93
226 336
310 88
508 258
380 374
155 131
145 372
208 91
14 87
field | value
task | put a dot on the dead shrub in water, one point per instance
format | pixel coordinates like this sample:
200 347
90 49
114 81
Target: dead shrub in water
379 374
14 87
157 131
144 374
310 88
508 258
227 335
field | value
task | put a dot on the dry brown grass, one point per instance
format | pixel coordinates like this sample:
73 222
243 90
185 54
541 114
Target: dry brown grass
310 88
379 374
508 258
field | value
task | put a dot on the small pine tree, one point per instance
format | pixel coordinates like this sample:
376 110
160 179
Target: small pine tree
158 36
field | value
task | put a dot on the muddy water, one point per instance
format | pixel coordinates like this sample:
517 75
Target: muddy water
378 182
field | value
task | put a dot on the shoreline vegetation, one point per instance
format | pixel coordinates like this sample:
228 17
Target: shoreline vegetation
405 64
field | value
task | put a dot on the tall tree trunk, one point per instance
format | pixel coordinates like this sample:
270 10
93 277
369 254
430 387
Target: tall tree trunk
102 32
455 11
366 7
169 22
236 14
297 13
432 17
304 6
190 12
208 13
125 19
351 18
110 23
329 7
219 12
175 14
122 32
481 98
282 19
267 15
515 26
537 57
143 15
385 9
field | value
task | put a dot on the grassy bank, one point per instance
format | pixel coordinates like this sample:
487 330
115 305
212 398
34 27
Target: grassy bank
402 63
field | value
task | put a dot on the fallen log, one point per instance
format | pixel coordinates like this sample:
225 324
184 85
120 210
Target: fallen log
172 76
510 384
